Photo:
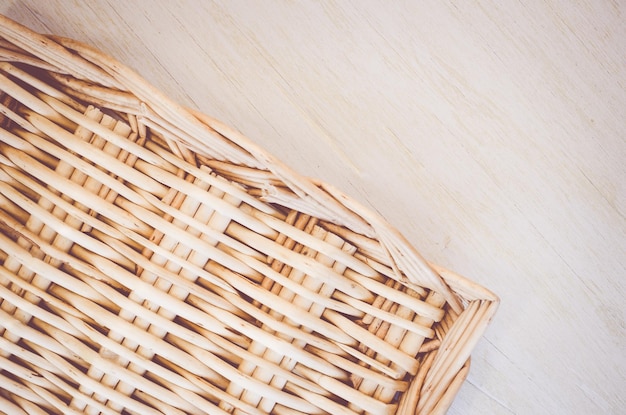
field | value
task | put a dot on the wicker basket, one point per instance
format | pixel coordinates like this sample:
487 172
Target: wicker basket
153 260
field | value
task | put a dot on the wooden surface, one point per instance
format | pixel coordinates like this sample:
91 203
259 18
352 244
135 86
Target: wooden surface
491 133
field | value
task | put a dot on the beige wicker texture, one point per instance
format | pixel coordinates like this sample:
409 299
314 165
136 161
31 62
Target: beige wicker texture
153 260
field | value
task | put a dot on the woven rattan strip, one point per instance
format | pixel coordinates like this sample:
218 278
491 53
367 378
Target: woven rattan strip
154 261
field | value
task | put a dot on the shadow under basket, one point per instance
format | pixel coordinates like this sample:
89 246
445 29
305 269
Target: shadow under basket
153 260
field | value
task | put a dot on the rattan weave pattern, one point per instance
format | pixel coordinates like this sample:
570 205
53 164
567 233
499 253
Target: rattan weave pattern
153 260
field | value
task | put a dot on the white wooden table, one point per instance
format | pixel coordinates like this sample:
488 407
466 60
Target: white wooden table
492 133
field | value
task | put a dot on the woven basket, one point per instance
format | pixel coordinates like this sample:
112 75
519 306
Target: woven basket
153 260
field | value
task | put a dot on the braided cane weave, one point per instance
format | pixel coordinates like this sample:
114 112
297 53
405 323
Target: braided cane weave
155 261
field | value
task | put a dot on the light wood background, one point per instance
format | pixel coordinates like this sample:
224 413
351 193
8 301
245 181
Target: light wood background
492 133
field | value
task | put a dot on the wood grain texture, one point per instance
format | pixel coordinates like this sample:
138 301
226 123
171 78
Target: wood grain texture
491 133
